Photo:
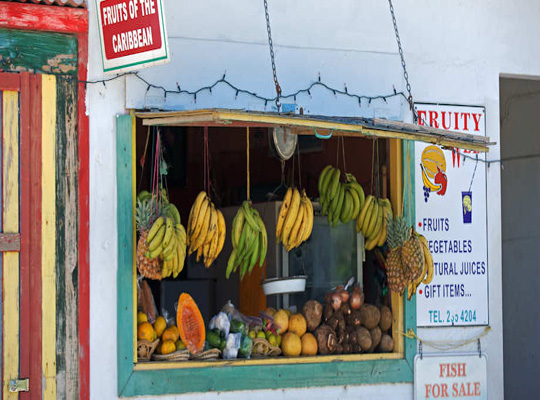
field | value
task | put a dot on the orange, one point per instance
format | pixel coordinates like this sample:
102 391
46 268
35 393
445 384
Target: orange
281 320
297 324
167 347
180 345
171 333
141 317
160 325
145 331
309 345
291 345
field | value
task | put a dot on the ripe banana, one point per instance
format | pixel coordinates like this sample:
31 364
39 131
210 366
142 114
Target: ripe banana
168 232
291 214
195 212
369 215
155 228
157 241
283 212
428 261
361 218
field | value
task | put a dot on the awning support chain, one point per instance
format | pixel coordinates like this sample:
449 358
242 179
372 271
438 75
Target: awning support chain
272 58
405 73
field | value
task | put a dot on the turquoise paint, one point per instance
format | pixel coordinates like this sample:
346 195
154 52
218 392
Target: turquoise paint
220 377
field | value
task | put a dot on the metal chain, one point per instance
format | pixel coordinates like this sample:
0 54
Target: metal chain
405 74
271 45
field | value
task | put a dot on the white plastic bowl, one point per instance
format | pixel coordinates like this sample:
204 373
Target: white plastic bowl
291 284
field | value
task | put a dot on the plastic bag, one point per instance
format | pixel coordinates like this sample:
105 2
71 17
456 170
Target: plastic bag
246 347
232 312
234 341
221 322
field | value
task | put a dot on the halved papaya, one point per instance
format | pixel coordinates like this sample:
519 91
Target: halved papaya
190 323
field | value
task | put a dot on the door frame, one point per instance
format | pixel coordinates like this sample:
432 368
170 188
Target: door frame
74 21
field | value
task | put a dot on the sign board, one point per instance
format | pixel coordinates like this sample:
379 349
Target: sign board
461 376
132 34
450 189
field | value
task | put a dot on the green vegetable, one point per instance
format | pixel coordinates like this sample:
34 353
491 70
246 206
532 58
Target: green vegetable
246 347
237 326
213 339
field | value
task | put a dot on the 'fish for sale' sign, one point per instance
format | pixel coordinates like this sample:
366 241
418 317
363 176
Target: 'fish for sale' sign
450 193
132 34
462 376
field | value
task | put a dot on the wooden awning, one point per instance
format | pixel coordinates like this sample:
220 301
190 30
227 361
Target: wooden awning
317 124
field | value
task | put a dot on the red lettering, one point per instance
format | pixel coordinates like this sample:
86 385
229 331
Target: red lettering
465 116
476 121
454 389
456 123
461 369
433 115
441 370
444 119
477 388
421 117
437 390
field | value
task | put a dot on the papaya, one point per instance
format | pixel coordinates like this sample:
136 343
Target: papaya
190 323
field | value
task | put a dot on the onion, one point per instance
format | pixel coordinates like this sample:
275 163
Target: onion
344 296
336 301
356 300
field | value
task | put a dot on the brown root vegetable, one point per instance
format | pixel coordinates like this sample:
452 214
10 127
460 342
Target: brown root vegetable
333 322
355 319
386 319
328 298
370 316
312 311
345 309
363 337
339 349
347 348
341 323
326 339
344 296
336 301
387 344
328 311
376 335
355 300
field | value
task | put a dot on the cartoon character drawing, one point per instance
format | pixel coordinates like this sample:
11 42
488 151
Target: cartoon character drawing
433 166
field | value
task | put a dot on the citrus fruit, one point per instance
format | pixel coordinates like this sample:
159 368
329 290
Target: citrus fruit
145 331
160 325
297 324
167 347
261 335
281 320
171 333
141 317
309 345
279 340
291 345
180 345
252 334
272 339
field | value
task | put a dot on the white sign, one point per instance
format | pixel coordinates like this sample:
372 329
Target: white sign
450 377
450 190
132 34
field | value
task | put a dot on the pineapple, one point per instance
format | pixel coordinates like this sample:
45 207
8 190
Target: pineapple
398 232
412 256
149 268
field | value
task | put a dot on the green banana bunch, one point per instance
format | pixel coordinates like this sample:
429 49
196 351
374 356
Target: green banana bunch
340 201
249 239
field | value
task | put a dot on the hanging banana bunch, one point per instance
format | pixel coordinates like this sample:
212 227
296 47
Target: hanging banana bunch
249 240
295 220
206 230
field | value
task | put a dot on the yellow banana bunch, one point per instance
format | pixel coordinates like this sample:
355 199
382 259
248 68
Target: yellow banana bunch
206 230
340 201
295 219
428 270
372 221
167 241
249 240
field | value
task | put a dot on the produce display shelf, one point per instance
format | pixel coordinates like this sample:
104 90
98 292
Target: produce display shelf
267 361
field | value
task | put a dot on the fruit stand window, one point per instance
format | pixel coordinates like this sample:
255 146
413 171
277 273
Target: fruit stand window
187 197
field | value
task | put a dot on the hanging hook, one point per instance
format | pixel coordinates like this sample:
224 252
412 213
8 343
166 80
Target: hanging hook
319 136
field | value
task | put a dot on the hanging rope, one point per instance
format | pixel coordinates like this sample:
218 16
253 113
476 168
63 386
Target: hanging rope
372 164
299 170
446 344
407 187
142 162
343 148
247 161
206 161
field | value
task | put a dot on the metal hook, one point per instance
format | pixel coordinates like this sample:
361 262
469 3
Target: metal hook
319 136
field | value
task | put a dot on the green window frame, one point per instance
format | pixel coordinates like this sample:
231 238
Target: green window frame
215 377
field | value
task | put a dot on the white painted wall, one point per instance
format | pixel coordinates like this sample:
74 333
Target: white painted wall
455 52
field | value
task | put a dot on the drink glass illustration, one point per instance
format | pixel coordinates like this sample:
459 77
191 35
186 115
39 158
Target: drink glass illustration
466 201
